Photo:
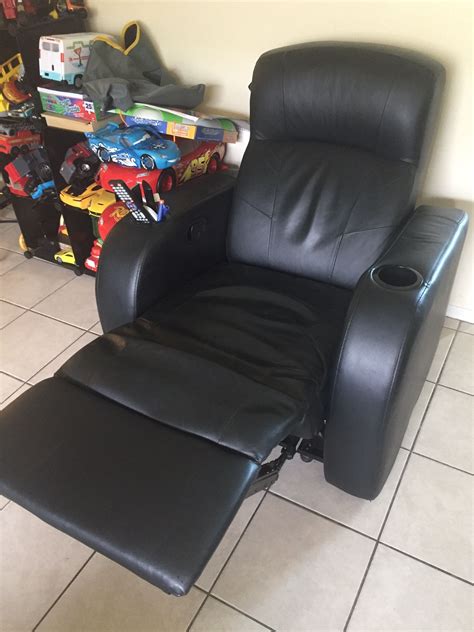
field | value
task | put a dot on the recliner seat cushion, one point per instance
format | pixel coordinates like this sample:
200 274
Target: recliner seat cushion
239 356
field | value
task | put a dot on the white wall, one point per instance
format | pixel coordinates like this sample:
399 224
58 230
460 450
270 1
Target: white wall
217 43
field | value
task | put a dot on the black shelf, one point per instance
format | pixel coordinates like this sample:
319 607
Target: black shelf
39 221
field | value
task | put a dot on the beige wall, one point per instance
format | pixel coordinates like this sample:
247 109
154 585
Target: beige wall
217 43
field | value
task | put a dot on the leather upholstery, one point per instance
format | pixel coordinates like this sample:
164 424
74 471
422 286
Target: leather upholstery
317 210
377 98
153 499
254 342
389 342
155 258
338 135
224 337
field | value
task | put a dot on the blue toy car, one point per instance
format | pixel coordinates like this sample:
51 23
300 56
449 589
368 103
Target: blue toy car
136 146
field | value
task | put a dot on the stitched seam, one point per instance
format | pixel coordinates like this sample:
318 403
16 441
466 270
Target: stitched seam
270 232
382 116
241 197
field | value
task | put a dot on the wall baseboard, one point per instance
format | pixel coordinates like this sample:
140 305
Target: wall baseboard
460 313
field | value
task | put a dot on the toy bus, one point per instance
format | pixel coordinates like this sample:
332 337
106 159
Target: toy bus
64 57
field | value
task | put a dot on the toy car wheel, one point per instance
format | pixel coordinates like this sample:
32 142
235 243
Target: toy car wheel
78 271
166 181
103 154
213 164
24 149
78 82
15 152
44 171
147 162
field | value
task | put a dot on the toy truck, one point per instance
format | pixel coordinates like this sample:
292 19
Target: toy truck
64 57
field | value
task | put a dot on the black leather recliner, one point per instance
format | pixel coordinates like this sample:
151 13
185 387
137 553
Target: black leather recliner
300 307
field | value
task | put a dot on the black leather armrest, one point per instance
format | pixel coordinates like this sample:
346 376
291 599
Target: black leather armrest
140 263
390 338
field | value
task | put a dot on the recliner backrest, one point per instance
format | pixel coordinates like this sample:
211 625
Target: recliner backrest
339 138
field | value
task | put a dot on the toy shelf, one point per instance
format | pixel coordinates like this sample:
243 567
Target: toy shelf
39 220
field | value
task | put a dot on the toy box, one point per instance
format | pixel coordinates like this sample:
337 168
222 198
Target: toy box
190 125
71 104
64 57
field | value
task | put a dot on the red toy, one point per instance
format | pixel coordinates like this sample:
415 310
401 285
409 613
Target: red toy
197 158
14 139
111 216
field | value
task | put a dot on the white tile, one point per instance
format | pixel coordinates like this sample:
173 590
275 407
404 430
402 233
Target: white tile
7 212
457 372
74 303
50 369
32 281
228 542
9 236
16 394
106 597
451 323
9 312
8 385
417 415
31 341
305 484
37 562
215 616
3 501
9 260
442 349
431 517
467 328
400 593
97 329
294 570
447 432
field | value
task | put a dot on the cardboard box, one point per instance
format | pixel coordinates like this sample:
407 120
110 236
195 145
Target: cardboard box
70 104
76 125
181 123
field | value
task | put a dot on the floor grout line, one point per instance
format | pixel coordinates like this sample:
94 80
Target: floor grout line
400 480
209 592
425 563
242 612
452 467
64 590
321 515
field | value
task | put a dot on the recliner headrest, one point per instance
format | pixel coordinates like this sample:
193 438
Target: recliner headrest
379 98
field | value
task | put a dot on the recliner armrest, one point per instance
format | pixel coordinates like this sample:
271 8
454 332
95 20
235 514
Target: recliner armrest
390 338
140 263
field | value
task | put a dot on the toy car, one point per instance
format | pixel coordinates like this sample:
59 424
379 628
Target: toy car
30 175
16 138
79 197
79 163
135 146
65 256
64 57
101 200
197 158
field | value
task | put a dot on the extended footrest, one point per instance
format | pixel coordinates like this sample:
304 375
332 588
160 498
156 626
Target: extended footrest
155 499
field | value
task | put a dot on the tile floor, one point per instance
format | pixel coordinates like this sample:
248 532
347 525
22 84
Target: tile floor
303 556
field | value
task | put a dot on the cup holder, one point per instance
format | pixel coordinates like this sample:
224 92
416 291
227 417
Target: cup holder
395 277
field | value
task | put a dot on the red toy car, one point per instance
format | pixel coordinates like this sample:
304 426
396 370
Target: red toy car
197 158
14 139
